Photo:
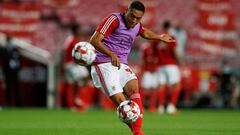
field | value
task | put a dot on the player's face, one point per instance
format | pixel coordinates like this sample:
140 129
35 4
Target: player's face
132 17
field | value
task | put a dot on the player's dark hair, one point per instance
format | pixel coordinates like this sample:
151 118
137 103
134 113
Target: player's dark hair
166 24
137 5
74 28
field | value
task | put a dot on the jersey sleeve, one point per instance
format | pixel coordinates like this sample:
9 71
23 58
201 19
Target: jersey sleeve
141 30
108 25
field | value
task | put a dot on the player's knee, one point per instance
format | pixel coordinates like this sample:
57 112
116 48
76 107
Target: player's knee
175 85
130 92
131 88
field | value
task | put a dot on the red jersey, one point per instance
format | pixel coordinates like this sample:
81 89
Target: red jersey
68 45
149 57
166 54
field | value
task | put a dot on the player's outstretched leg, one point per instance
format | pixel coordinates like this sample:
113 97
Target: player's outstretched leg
136 127
131 91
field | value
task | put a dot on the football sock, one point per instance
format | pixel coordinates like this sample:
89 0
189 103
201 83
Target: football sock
161 96
69 95
175 95
152 100
136 127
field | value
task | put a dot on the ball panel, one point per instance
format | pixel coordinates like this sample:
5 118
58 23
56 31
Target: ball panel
77 55
84 53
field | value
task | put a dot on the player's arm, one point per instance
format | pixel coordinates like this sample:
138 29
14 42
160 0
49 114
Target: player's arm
105 29
150 35
96 41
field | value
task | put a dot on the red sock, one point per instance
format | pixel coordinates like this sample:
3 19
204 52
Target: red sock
161 96
69 95
175 95
136 127
143 94
152 100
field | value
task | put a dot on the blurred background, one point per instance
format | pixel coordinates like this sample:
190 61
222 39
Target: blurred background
39 29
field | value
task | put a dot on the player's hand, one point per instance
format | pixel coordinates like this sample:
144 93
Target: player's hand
167 38
115 60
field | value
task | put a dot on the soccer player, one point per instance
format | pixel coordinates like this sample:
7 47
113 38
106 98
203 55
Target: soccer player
73 73
113 40
181 38
149 79
168 73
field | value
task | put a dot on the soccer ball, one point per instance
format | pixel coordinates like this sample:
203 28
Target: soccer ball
84 53
128 111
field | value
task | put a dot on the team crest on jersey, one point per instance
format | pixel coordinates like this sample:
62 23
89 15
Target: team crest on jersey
113 88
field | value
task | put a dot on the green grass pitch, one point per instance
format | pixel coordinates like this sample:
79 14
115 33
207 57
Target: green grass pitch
99 122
